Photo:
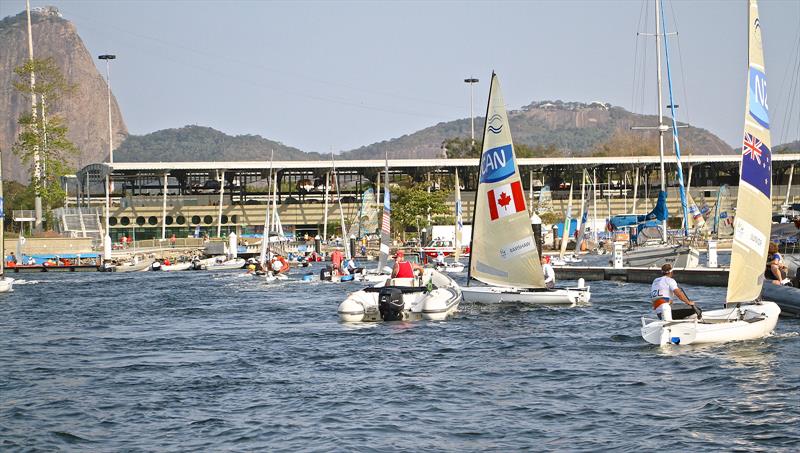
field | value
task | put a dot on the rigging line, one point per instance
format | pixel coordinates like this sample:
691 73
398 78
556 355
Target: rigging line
112 29
645 62
792 68
634 83
680 60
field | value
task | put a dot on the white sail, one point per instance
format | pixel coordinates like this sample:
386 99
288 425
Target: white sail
754 206
459 224
503 250
567 224
386 222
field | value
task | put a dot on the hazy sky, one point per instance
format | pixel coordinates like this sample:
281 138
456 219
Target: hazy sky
322 75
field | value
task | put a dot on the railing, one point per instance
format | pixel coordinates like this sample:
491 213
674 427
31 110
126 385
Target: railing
24 215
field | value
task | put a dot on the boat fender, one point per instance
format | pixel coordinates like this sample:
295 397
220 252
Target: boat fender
346 278
390 304
581 282
675 340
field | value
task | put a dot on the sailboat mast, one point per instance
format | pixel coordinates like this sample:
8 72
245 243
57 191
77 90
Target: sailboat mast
341 211
459 221
265 235
661 126
386 221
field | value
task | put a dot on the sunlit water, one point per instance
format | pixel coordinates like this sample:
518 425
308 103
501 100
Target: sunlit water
219 361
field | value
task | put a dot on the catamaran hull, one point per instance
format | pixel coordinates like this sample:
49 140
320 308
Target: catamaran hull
680 256
748 322
557 296
787 298
413 303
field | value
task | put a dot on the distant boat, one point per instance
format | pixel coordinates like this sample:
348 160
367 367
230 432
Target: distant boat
503 253
744 317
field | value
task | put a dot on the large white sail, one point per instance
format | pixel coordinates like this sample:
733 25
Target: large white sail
503 251
754 206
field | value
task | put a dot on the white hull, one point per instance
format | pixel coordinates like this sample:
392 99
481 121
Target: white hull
747 322
176 267
680 256
450 267
225 265
417 303
557 296
141 266
6 284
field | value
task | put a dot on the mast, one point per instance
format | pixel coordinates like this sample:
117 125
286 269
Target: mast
675 141
661 126
341 211
386 221
37 166
459 221
325 210
265 235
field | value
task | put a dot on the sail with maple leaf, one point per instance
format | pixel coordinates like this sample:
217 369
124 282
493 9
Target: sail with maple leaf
503 250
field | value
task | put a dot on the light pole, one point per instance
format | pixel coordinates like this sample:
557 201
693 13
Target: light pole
471 81
107 239
108 58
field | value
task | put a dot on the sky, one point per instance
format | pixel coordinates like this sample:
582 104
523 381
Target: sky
336 75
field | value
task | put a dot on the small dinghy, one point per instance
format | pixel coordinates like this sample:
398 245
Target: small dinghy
744 317
504 254
214 264
176 267
736 323
433 296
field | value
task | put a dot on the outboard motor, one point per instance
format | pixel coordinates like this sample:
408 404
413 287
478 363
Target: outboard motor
326 274
390 304
156 266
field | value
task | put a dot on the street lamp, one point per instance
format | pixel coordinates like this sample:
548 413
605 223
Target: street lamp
471 81
108 58
107 238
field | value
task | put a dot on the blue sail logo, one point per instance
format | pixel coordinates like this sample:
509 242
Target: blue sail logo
495 124
497 164
759 110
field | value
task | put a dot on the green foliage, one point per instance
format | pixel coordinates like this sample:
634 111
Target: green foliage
414 203
43 133
550 218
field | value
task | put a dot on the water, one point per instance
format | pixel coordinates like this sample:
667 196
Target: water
216 361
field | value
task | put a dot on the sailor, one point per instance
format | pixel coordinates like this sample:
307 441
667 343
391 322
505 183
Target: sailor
548 272
336 260
403 268
776 269
662 293
279 264
439 259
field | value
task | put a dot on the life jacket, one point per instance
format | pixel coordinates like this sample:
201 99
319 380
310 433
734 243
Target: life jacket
404 270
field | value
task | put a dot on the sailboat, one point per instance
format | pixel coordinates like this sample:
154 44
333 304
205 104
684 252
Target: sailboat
503 252
744 316
455 266
657 253
6 283
383 271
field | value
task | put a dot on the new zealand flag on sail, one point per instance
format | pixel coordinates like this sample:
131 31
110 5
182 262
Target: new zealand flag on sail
756 163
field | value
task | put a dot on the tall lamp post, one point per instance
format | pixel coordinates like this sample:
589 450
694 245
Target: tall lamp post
471 81
107 239
108 58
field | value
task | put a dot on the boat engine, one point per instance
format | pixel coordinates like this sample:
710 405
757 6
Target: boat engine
390 304
326 274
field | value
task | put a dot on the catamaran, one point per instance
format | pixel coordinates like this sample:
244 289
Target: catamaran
504 254
744 316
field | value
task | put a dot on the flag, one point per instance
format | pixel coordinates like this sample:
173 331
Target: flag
756 163
506 200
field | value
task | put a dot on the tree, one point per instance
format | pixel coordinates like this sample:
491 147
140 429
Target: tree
414 203
43 133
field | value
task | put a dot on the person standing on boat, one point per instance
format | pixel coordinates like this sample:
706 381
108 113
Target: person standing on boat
336 261
662 292
548 272
403 268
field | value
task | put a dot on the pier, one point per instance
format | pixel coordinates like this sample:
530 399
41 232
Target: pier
697 276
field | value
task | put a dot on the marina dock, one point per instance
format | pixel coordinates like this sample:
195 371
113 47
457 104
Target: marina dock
698 276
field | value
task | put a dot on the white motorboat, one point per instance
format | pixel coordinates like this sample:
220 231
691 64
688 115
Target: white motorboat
6 284
219 264
504 254
433 296
453 267
133 266
744 317
176 267
540 296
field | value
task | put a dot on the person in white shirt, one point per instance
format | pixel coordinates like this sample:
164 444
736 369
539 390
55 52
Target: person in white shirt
664 291
549 273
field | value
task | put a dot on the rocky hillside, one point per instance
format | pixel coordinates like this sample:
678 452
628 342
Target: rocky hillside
573 128
85 112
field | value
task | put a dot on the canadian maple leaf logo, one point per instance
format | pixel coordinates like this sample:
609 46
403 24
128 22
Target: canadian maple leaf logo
504 199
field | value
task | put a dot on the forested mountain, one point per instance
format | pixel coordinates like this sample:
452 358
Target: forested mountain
197 143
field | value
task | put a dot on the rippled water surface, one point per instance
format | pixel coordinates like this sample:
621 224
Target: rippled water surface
218 361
